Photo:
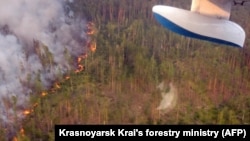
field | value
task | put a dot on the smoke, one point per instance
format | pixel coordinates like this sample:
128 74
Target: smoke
38 41
169 99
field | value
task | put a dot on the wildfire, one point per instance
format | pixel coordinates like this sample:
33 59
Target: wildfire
22 132
79 68
36 104
44 93
90 28
91 32
57 86
67 77
15 139
83 56
79 59
26 112
91 44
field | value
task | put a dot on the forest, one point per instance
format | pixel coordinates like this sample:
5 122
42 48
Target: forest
129 54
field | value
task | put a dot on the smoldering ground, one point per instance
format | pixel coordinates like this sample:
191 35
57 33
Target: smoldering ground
38 40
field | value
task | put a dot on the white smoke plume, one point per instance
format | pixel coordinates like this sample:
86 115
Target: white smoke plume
169 98
38 40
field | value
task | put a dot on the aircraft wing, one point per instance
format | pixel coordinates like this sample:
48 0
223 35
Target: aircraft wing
207 20
216 8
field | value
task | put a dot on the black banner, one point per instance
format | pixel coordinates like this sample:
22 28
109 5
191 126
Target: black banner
173 132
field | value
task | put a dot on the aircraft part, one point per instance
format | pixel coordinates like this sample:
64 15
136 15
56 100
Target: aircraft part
213 8
199 26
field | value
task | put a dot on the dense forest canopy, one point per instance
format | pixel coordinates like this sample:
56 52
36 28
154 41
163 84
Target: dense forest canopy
132 55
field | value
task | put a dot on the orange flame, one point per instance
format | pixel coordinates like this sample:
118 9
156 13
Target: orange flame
90 28
22 132
79 59
84 56
67 77
26 112
44 93
14 139
93 47
36 104
91 32
58 86
79 69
